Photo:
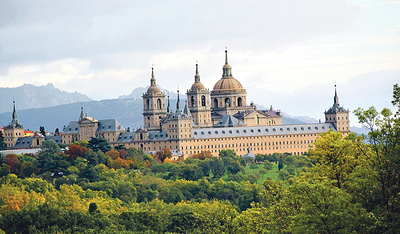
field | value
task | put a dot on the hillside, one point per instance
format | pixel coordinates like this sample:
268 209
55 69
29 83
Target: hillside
29 96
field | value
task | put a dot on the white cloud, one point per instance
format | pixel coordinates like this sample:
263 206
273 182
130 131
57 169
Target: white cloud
122 75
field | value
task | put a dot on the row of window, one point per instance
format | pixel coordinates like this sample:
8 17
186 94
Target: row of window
238 145
10 134
259 130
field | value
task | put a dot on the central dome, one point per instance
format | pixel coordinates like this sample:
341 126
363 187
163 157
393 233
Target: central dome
227 84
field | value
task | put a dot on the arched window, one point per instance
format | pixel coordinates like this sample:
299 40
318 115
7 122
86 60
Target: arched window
148 104
37 142
227 102
141 146
141 137
192 101
159 104
215 102
239 101
203 100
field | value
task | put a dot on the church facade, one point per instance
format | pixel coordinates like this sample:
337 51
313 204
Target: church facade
209 121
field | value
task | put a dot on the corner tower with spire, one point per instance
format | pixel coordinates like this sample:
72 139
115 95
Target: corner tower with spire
153 105
338 116
14 130
198 98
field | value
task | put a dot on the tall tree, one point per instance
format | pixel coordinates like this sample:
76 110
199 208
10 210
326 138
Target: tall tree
42 131
98 143
164 154
3 145
384 138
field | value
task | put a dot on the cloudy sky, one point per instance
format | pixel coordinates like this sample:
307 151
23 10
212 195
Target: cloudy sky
288 54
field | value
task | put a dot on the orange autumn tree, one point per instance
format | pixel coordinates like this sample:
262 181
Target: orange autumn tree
12 161
112 154
75 151
165 153
120 163
202 155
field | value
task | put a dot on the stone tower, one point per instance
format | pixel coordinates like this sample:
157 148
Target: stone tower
338 116
180 123
198 98
14 130
153 105
228 95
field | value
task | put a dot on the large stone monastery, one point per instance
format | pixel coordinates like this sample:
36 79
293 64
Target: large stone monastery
210 121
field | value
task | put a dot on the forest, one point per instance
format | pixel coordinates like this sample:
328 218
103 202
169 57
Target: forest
342 185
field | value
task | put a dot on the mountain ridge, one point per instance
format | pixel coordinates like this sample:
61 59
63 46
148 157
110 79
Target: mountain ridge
29 96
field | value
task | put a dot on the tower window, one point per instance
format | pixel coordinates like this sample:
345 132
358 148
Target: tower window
203 100
192 101
239 101
159 104
148 104
215 102
227 102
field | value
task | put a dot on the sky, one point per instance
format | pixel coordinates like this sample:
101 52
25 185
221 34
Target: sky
287 53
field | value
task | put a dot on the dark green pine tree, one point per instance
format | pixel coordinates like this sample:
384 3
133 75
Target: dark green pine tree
3 145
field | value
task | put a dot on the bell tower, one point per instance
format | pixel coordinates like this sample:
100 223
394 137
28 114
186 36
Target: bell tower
199 102
14 130
153 105
338 116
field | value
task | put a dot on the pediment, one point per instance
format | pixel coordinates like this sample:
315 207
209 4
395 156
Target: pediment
260 114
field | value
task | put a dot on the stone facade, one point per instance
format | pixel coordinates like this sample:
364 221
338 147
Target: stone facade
222 120
210 121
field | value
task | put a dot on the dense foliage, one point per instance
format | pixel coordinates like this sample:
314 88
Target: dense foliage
343 185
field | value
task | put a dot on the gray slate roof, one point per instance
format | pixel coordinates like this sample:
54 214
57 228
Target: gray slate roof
126 137
228 121
262 130
105 125
249 154
26 142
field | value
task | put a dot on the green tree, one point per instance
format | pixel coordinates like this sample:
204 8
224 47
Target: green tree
3 145
384 137
263 172
57 132
217 167
98 143
280 165
267 165
42 130
50 147
183 221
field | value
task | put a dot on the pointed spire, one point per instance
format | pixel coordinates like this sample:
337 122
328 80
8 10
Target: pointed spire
186 110
82 114
169 109
226 55
178 105
336 106
336 99
14 114
152 80
14 122
197 76
227 69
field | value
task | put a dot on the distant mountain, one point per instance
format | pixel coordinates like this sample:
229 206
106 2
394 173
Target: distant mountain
359 131
137 93
128 112
30 96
